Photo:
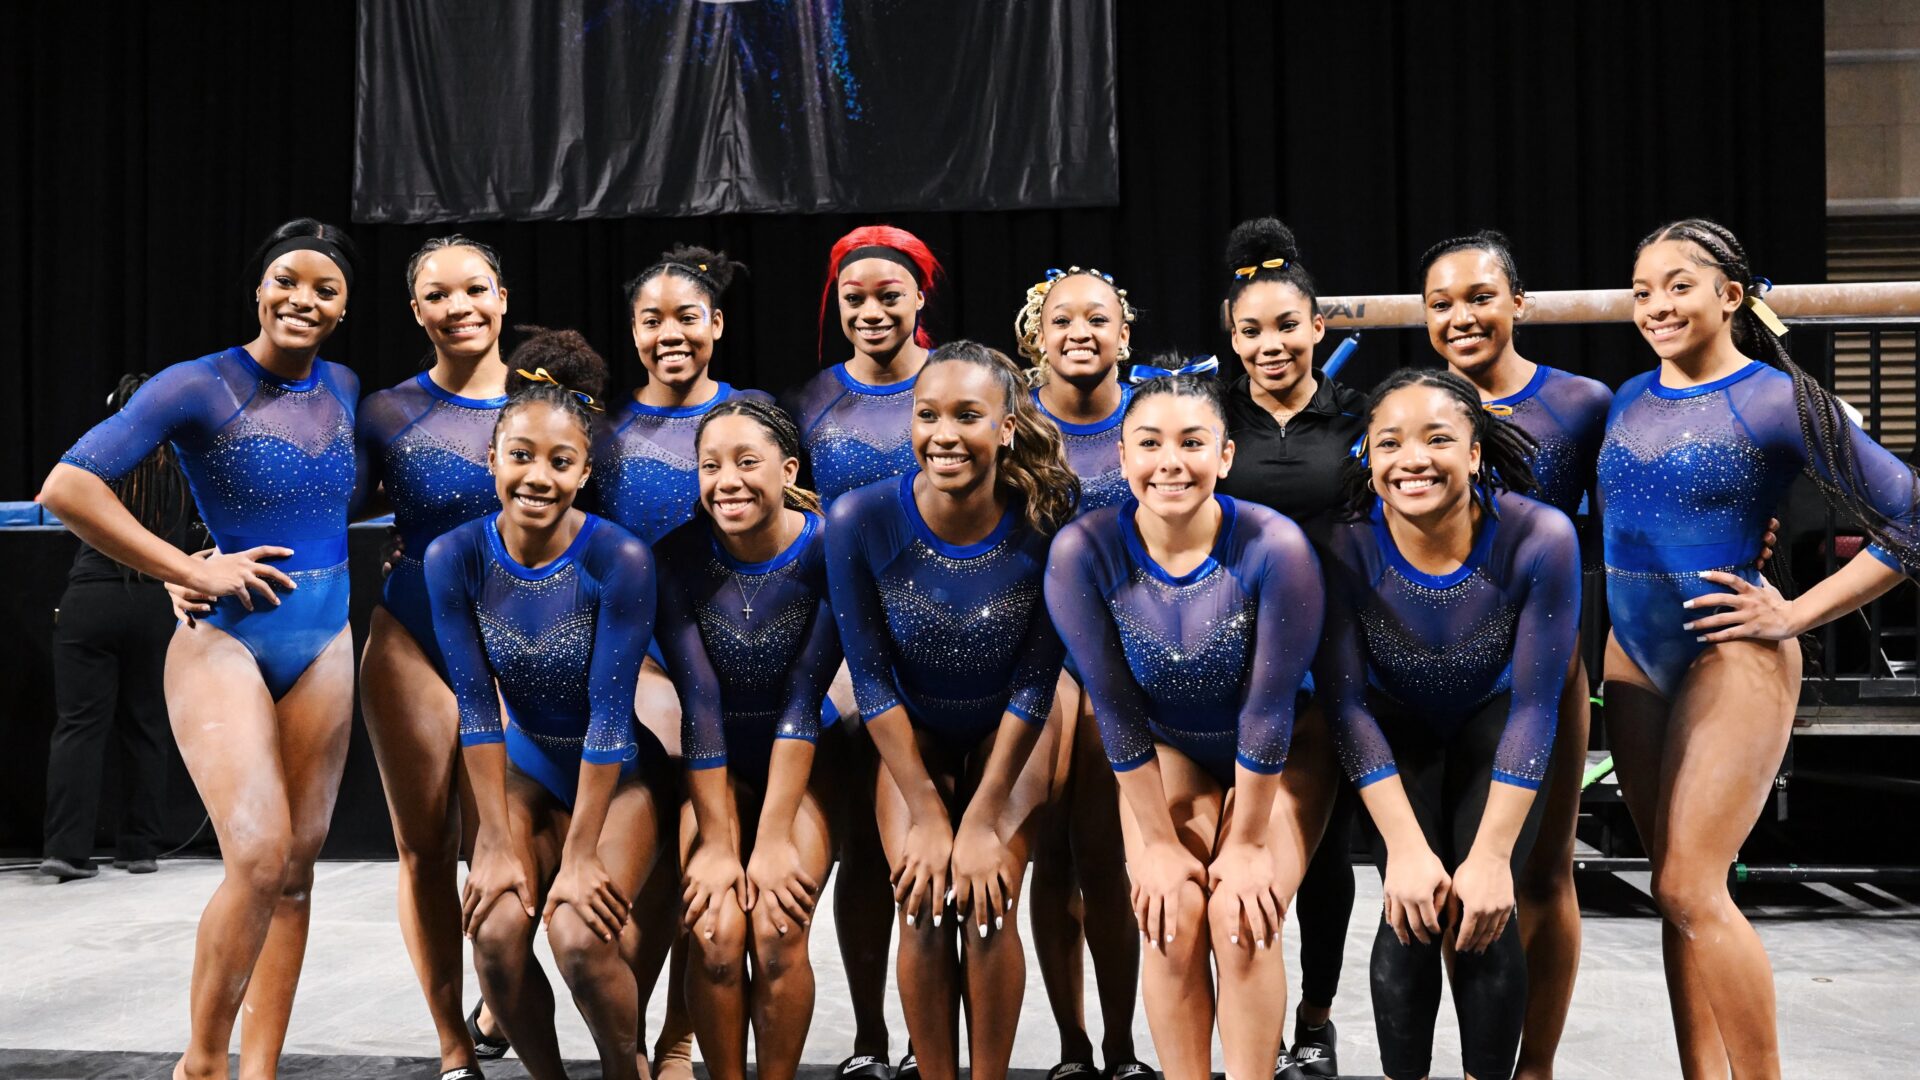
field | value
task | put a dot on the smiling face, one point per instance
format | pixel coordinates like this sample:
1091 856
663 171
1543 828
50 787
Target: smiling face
1470 309
539 461
1274 331
1083 327
1174 450
1421 452
300 298
879 305
961 421
1682 308
674 327
743 475
458 300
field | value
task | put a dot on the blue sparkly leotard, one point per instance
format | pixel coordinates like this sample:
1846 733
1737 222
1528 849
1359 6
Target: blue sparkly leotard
1441 646
853 433
645 477
752 646
1093 453
562 643
269 461
957 633
1211 662
1688 479
429 448
1567 416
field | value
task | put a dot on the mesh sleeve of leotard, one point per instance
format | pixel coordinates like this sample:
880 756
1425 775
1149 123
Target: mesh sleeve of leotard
1341 669
623 566
455 567
189 397
703 737
1037 675
1278 566
1076 601
811 676
857 611
1772 413
1543 642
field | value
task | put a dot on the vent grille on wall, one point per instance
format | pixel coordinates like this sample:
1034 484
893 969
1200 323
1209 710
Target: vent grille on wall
1881 247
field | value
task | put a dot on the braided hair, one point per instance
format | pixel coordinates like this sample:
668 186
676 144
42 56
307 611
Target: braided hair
1824 426
1506 450
1035 466
1027 328
455 240
1254 244
1491 241
709 271
577 375
779 427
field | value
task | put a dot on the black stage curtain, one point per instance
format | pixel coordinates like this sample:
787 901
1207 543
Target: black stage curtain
147 148
598 109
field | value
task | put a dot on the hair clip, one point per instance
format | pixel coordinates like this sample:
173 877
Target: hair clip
1502 411
1055 273
703 268
1765 314
1359 450
1270 264
541 375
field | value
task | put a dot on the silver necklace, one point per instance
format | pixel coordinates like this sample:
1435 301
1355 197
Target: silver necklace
746 598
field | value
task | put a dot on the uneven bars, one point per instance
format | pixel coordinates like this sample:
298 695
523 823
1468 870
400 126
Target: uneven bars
1866 299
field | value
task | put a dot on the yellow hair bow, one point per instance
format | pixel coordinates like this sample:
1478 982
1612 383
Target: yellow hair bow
1765 315
1270 264
542 375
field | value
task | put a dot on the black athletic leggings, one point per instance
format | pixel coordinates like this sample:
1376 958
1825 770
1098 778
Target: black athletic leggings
1447 783
1323 908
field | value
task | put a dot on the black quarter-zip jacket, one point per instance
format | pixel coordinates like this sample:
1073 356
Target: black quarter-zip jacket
1294 469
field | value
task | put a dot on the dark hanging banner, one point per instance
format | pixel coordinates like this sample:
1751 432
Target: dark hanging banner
567 109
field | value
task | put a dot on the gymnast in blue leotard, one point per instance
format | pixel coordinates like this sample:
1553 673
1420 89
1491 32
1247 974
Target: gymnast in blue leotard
936 585
423 453
1194 618
854 416
260 691
854 423
1703 670
1473 294
644 476
1452 609
1074 329
543 611
750 639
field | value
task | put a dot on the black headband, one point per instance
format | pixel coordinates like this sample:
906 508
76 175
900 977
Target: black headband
311 243
880 251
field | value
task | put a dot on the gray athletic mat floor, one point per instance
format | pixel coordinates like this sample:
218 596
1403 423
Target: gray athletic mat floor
93 978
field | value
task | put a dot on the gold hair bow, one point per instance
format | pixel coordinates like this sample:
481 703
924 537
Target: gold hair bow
1502 411
542 375
1270 264
1765 314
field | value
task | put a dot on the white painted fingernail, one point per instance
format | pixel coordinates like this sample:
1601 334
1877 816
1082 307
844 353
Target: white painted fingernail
1688 604
936 918
1262 942
1009 903
983 929
782 929
1169 937
1702 637
909 920
999 923
949 896
1234 938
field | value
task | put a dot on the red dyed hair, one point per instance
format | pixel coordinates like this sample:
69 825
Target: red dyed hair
899 240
